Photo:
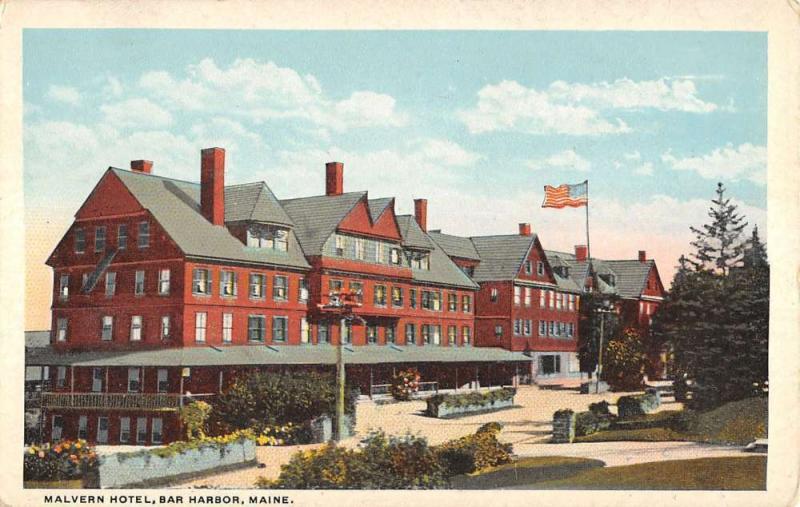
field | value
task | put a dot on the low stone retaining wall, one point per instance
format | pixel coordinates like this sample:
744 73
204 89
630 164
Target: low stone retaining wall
145 469
444 411
564 427
453 405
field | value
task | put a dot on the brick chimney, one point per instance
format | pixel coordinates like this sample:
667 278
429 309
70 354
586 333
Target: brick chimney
642 256
421 213
524 229
212 185
334 178
581 253
142 166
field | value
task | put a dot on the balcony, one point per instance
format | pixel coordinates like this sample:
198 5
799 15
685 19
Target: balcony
117 401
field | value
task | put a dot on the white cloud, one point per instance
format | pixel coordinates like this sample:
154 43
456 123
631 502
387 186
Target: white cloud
136 112
112 87
447 152
746 161
567 159
632 156
645 169
265 91
575 108
65 94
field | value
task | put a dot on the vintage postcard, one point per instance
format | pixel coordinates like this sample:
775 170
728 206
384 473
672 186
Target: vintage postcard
452 254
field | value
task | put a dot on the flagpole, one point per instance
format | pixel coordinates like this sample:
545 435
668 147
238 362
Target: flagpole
588 245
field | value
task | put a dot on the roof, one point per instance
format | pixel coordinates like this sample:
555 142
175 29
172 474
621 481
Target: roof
256 202
266 354
630 276
413 236
175 204
378 206
317 217
455 246
501 256
37 339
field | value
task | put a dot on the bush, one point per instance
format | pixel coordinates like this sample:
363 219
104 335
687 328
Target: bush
68 459
624 360
640 404
586 423
182 446
600 409
194 417
263 400
467 399
288 434
474 452
404 384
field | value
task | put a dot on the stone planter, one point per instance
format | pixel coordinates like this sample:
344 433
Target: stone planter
444 411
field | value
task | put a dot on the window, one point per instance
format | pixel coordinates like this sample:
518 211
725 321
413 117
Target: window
282 240
540 268
63 289
421 261
268 236
305 331
571 301
347 331
570 330
100 239
452 332
133 380
562 329
138 286
155 431
466 335
411 334
380 295
390 334
552 298
227 284
426 300
165 327
340 245
163 380
108 328
80 241
517 295
97 380
549 364
144 234
279 326
372 333
83 427
61 376
542 328
412 298
57 429
498 331
200 326
357 288
323 333
526 328
517 327
380 252
641 308
256 328
141 430
227 327
528 267
102 430
124 430
280 288
302 291
397 296
542 298
122 236
426 334
258 285
84 279
163 281
436 301
201 281
452 302
136 328
493 295
360 250
335 286
528 294
111 283
61 333
551 328
394 256
466 303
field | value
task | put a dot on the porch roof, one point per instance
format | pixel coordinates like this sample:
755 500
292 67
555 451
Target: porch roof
252 355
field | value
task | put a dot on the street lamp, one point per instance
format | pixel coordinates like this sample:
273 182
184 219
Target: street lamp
602 310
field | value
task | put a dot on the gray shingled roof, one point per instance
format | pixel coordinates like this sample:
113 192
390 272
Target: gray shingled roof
377 207
413 236
501 256
256 202
265 354
630 275
37 339
455 246
316 217
175 204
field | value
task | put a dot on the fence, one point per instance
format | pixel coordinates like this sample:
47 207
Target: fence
117 401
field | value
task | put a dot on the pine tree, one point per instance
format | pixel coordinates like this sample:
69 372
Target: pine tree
719 245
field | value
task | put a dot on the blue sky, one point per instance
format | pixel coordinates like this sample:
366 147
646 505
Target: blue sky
476 121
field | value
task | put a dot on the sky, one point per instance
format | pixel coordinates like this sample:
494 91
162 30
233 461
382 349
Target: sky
477 122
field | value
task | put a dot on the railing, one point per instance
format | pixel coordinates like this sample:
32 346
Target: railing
117 401
425 388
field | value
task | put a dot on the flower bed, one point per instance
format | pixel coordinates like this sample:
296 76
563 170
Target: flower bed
177 460
66 464
449 405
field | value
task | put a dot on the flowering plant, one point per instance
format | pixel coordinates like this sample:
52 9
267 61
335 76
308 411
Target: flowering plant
67 459
404 384
279 435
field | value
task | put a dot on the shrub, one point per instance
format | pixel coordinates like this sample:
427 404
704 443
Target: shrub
490 427
486 399
624 360
640 404
288 434
586 423
404 384
600 409
182 446
474 452
194 417
68 459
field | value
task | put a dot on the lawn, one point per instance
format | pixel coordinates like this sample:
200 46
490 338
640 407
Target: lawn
745 473
524 471
637 435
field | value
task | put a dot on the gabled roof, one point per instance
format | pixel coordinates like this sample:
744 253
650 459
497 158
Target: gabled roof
413 236
378 206
256 202
175 204
455 246
501 256
316 217
630 276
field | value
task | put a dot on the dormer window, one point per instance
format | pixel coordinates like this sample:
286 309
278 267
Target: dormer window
563 271
609 279
420 260
268 237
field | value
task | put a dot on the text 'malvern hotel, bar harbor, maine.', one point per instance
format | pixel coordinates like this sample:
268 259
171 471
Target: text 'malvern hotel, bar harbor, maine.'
166 288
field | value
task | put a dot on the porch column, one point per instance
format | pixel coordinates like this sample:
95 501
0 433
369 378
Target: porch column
220 380
456 377
106 379
477 385
370 381
489 373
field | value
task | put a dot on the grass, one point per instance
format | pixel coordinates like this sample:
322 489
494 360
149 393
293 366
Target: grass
637 435
734 473
524 471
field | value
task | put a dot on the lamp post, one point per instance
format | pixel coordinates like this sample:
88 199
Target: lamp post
606 308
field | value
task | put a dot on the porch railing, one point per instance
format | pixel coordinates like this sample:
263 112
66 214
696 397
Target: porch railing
425 388
117 401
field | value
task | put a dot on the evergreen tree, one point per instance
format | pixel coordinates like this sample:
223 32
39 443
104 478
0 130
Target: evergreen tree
719 245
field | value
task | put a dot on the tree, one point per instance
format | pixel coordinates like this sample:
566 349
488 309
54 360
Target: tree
624 360
719 245
589 327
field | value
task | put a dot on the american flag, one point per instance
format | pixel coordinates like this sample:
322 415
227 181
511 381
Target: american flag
565 195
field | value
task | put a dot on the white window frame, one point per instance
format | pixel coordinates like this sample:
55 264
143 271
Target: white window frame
528 267
163 281
63 286
542 328
141 429
165 327
162 379
122 239
79 240
258 285
100 419
56 436
135 380
202 281
111 283
305 331
100 239
540 268
528 292
200 326
466 335
493 295
83 427
136 328
262 328
62 329
143 235
156 436
124 430
107 329
97 381
227 327
552 295
517 295
138 284
280 292
284 327
228 286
